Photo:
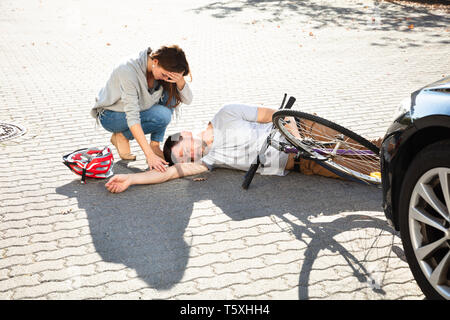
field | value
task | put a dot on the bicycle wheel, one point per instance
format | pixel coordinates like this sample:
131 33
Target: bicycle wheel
332 146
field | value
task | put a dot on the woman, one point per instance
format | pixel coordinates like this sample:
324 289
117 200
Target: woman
140 97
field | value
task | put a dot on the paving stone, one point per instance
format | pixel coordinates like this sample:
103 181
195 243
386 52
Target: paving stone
67 273
85 259
13 283
129 286
221 294
60 253
223 280
238 265
83 293
37 267
29 249
55 235
265 286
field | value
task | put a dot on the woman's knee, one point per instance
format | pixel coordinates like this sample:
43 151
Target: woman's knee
113 121
160 114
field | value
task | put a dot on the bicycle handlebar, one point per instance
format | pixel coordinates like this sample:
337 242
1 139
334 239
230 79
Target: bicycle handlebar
290 103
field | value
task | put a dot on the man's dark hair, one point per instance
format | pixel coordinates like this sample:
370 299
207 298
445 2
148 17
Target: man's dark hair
171 141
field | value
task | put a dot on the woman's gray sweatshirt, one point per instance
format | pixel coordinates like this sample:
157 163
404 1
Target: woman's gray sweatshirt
127 90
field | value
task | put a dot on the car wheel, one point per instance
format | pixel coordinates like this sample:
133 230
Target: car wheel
424 217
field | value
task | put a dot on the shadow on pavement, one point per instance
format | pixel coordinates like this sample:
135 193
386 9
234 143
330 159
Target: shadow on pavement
143 228
383 16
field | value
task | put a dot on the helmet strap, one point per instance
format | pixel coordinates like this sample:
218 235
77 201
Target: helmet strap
83 176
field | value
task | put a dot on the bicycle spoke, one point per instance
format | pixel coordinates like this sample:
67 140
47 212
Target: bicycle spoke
337 148
313 135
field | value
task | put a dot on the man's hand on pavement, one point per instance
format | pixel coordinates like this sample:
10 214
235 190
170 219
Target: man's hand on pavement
118 183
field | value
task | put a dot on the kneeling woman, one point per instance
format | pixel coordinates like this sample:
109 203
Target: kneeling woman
139 98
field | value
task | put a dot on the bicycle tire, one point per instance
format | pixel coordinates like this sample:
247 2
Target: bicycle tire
359 159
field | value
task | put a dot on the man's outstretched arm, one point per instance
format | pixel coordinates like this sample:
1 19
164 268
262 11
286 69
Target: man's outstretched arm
121 182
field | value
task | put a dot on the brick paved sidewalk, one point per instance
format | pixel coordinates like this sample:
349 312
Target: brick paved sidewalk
349 61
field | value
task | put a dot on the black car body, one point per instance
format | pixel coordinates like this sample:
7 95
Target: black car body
426 120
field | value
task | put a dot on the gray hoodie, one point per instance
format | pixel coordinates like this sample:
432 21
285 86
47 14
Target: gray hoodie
127 90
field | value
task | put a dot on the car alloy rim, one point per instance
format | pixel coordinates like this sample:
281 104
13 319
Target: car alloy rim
429 227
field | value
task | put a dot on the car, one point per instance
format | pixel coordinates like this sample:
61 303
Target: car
415 176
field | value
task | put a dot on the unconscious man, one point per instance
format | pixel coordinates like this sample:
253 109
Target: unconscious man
232 139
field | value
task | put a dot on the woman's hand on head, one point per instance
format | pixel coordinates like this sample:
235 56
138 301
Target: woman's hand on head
118 183
175 77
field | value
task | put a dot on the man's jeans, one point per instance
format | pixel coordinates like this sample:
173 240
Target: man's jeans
154 121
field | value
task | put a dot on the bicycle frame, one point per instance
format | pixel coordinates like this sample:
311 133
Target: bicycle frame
288 148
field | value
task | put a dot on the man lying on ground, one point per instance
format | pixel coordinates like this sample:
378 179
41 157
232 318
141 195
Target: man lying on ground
232 139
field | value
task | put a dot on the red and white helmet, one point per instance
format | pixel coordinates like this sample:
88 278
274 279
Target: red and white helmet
90 162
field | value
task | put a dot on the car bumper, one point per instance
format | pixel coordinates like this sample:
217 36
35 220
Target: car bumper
386 176
391 161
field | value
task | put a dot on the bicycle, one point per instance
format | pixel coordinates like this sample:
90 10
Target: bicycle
335 148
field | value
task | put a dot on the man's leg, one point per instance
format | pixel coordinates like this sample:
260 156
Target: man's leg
308 167
321 133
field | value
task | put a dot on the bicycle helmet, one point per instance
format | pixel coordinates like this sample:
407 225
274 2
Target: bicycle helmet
90 162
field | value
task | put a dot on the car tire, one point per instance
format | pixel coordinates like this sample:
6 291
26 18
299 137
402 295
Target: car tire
427 174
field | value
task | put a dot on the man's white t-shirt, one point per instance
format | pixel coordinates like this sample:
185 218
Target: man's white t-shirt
238 139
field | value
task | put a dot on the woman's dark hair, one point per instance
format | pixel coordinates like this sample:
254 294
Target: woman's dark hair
171 142
172 59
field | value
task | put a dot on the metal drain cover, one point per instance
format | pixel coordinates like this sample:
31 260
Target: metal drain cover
9 131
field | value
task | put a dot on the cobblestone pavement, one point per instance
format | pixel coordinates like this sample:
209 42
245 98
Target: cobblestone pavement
296 237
